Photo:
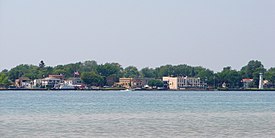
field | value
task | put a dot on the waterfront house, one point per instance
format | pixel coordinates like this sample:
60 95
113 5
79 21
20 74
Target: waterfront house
247 83
52 81
74 82
23 82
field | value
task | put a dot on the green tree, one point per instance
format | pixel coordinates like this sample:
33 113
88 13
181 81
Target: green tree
270 75
41 64
89 66
205 75
4 81
148 73
155 83
252 70
183 70
109 69
131 72
23 70
166 70
231 77
5 71
92 79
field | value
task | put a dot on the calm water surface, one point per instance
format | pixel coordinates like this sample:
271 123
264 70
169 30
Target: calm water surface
137 114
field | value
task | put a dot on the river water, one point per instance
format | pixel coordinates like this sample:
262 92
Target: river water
74 114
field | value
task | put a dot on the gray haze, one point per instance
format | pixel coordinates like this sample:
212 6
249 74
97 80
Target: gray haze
210 33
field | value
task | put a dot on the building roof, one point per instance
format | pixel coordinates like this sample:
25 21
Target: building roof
50 78
247 80
57 76
24 78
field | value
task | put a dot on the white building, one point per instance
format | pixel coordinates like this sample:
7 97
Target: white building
175 83
77 82
247 83
50 82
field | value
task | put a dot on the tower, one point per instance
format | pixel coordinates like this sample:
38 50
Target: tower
261 81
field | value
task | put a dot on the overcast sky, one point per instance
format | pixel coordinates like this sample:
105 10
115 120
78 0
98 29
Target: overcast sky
143 33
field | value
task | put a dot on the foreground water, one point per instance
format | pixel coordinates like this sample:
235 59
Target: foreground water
137 114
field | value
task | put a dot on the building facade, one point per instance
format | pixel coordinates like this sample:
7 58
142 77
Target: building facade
52 81
23 82
132 83
176 83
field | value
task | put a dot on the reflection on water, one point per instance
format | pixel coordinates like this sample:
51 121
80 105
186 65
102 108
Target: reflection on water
143 114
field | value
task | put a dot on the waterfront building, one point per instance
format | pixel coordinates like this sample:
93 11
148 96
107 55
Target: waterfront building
247 83
52 81
176 83
23 82
132 83
74 82
37 83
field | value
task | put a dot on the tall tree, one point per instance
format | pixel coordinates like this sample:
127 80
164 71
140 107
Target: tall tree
109 69
4 81
231 77
41 64
205 75
23 70
89 66
155 83
270 75
252 70
148 72
131 72
92 79
167 70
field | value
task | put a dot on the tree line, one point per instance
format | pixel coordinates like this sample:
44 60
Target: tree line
106 74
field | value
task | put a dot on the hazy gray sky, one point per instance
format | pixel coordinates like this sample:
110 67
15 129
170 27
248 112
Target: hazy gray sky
210 33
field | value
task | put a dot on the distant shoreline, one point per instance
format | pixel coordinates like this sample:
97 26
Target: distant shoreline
122 89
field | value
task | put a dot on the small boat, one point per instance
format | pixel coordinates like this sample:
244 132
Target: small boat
67 87
126 90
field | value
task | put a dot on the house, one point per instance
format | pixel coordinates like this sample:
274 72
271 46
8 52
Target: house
23 82
247 83
176 83
52 81
74 82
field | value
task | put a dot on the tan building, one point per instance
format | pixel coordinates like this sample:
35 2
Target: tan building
175 83
131 83
172 82
23 82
